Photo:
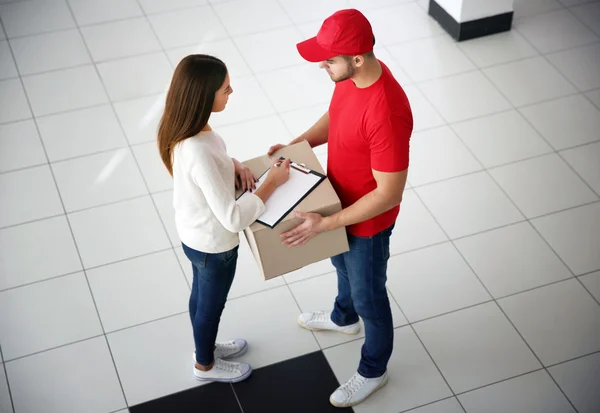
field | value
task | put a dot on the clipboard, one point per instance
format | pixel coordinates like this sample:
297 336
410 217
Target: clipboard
302 182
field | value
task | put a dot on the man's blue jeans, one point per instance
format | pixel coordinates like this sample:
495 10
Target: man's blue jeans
362 275
213 276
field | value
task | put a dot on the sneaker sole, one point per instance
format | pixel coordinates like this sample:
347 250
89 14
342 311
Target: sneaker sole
350 333
381 385
233 380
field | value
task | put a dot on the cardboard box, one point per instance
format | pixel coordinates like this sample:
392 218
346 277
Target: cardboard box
274 258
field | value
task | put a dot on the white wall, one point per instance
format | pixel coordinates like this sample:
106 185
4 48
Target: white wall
467 10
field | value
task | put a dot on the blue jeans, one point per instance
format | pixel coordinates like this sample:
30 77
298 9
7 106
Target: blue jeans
362 275
213 276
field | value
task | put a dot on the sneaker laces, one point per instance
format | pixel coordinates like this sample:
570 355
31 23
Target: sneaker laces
229 345
321 316
353 385
227 366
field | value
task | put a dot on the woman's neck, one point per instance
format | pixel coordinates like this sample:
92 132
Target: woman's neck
207 128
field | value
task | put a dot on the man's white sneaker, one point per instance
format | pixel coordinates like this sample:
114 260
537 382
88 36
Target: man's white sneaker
224 372
229 349
321 320
356 390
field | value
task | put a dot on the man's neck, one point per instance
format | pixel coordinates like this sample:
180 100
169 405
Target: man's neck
368 75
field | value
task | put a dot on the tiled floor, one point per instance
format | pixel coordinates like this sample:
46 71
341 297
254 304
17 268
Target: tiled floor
495 274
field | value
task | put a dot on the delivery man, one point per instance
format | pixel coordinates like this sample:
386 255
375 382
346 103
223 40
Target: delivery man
368 129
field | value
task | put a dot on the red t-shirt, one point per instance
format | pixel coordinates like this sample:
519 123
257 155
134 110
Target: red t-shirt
369 129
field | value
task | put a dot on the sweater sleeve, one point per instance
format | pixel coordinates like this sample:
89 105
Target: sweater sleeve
234 215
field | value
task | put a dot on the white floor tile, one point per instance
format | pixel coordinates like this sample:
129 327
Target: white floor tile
442 148
155 173
20 146
594 96
31 17
425 116
558 30
140 117
187 27
259 49
49 51
136 76
415 226
13 103
581 66
464 96
247 102
159 6
311 86
100 11
374 4
319 293
512 259
8 68
272 332
501 138
64 90
226 50
529 81
164 205
532 7
559 321
56 312
401 23
300 120
413 378
532 393
242 17
589 14
5 401
431 58
575 236
592 283
28 195
578 380
433 281
139 290
81 132
312 270
75 386
476 347
444 406
543 185
59 254
247 140
384 56
312 10
120 39
565 122
469 204
497 49
118 231
247 278
98 179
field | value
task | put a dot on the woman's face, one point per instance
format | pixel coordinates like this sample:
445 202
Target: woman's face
222 95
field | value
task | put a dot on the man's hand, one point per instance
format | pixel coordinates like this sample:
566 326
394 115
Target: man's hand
275 148
243 176
313 225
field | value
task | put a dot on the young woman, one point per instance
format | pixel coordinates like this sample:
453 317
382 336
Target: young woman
207 216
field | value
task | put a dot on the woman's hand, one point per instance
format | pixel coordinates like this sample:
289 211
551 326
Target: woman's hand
243 176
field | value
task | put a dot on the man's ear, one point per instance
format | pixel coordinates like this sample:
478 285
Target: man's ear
358 60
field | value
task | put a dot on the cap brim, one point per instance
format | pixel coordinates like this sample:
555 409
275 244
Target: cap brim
311 51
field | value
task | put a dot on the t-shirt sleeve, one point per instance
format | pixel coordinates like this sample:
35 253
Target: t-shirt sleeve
389 141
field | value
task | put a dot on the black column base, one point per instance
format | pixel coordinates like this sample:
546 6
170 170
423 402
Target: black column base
471 29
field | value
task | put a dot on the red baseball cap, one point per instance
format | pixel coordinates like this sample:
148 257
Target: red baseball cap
346 32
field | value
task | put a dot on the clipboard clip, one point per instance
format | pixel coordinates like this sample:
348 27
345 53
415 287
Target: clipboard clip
300 167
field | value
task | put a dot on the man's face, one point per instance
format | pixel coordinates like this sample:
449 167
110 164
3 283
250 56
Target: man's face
338 68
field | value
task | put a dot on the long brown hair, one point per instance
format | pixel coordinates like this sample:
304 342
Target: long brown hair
189 102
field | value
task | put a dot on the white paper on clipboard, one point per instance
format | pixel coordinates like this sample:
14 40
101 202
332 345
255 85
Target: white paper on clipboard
286 196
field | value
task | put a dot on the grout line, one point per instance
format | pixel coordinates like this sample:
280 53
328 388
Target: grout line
413 409
10 396
71 343
236 397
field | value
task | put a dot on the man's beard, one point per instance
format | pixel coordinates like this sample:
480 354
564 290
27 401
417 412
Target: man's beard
349 73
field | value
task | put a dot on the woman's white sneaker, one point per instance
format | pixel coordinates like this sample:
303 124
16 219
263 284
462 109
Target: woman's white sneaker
224 372
356 390
321 320
229 349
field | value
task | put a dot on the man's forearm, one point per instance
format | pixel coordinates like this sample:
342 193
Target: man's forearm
317 135
369 206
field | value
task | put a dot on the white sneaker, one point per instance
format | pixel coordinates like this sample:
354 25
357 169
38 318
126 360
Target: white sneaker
229 349
224 372
321 320
356 390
